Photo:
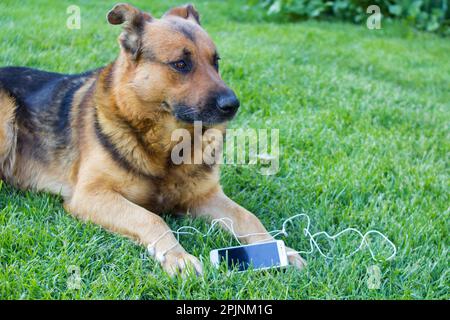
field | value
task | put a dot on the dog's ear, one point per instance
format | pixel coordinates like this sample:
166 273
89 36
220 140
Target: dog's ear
133 21
187 12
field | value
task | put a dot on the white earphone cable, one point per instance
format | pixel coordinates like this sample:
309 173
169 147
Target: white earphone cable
188 230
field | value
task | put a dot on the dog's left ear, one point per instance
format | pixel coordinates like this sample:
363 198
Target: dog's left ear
133 21
187 12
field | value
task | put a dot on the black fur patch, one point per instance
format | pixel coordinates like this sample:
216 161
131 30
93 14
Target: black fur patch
61 125
44 107
112 150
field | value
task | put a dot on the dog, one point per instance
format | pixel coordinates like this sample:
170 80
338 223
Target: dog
102 139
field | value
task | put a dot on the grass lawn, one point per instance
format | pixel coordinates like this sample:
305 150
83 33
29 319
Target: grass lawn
364 135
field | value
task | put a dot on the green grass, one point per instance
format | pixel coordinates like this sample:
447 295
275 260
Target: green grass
364 133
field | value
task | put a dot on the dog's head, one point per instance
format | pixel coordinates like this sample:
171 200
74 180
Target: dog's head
173 64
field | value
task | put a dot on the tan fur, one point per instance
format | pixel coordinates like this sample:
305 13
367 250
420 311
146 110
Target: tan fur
7 134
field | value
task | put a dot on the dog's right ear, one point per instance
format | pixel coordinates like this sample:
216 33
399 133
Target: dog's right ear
187 11
133 21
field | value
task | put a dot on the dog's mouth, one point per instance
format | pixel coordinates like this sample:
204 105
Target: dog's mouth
207 115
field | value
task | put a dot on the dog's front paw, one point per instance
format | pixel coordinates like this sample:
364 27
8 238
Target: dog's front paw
295 259
182 263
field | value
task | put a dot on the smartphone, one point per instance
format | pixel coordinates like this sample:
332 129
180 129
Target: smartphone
259 256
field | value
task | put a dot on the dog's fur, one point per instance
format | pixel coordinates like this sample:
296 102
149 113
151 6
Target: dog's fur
102 139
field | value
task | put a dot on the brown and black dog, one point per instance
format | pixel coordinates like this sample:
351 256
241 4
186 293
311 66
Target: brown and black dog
102 139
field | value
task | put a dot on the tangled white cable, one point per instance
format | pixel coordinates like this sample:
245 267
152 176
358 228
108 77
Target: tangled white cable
312 237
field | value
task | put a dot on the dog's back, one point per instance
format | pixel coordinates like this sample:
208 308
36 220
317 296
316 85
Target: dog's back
36 108
21 82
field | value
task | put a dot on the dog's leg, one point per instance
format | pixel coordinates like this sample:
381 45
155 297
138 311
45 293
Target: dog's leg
114 212
244 223
7 133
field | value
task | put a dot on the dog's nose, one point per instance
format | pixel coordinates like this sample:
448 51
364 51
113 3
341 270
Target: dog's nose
228 102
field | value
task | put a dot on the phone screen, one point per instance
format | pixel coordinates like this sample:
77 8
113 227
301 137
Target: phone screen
264 255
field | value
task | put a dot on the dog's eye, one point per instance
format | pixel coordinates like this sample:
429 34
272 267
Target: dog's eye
181 66
216 63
